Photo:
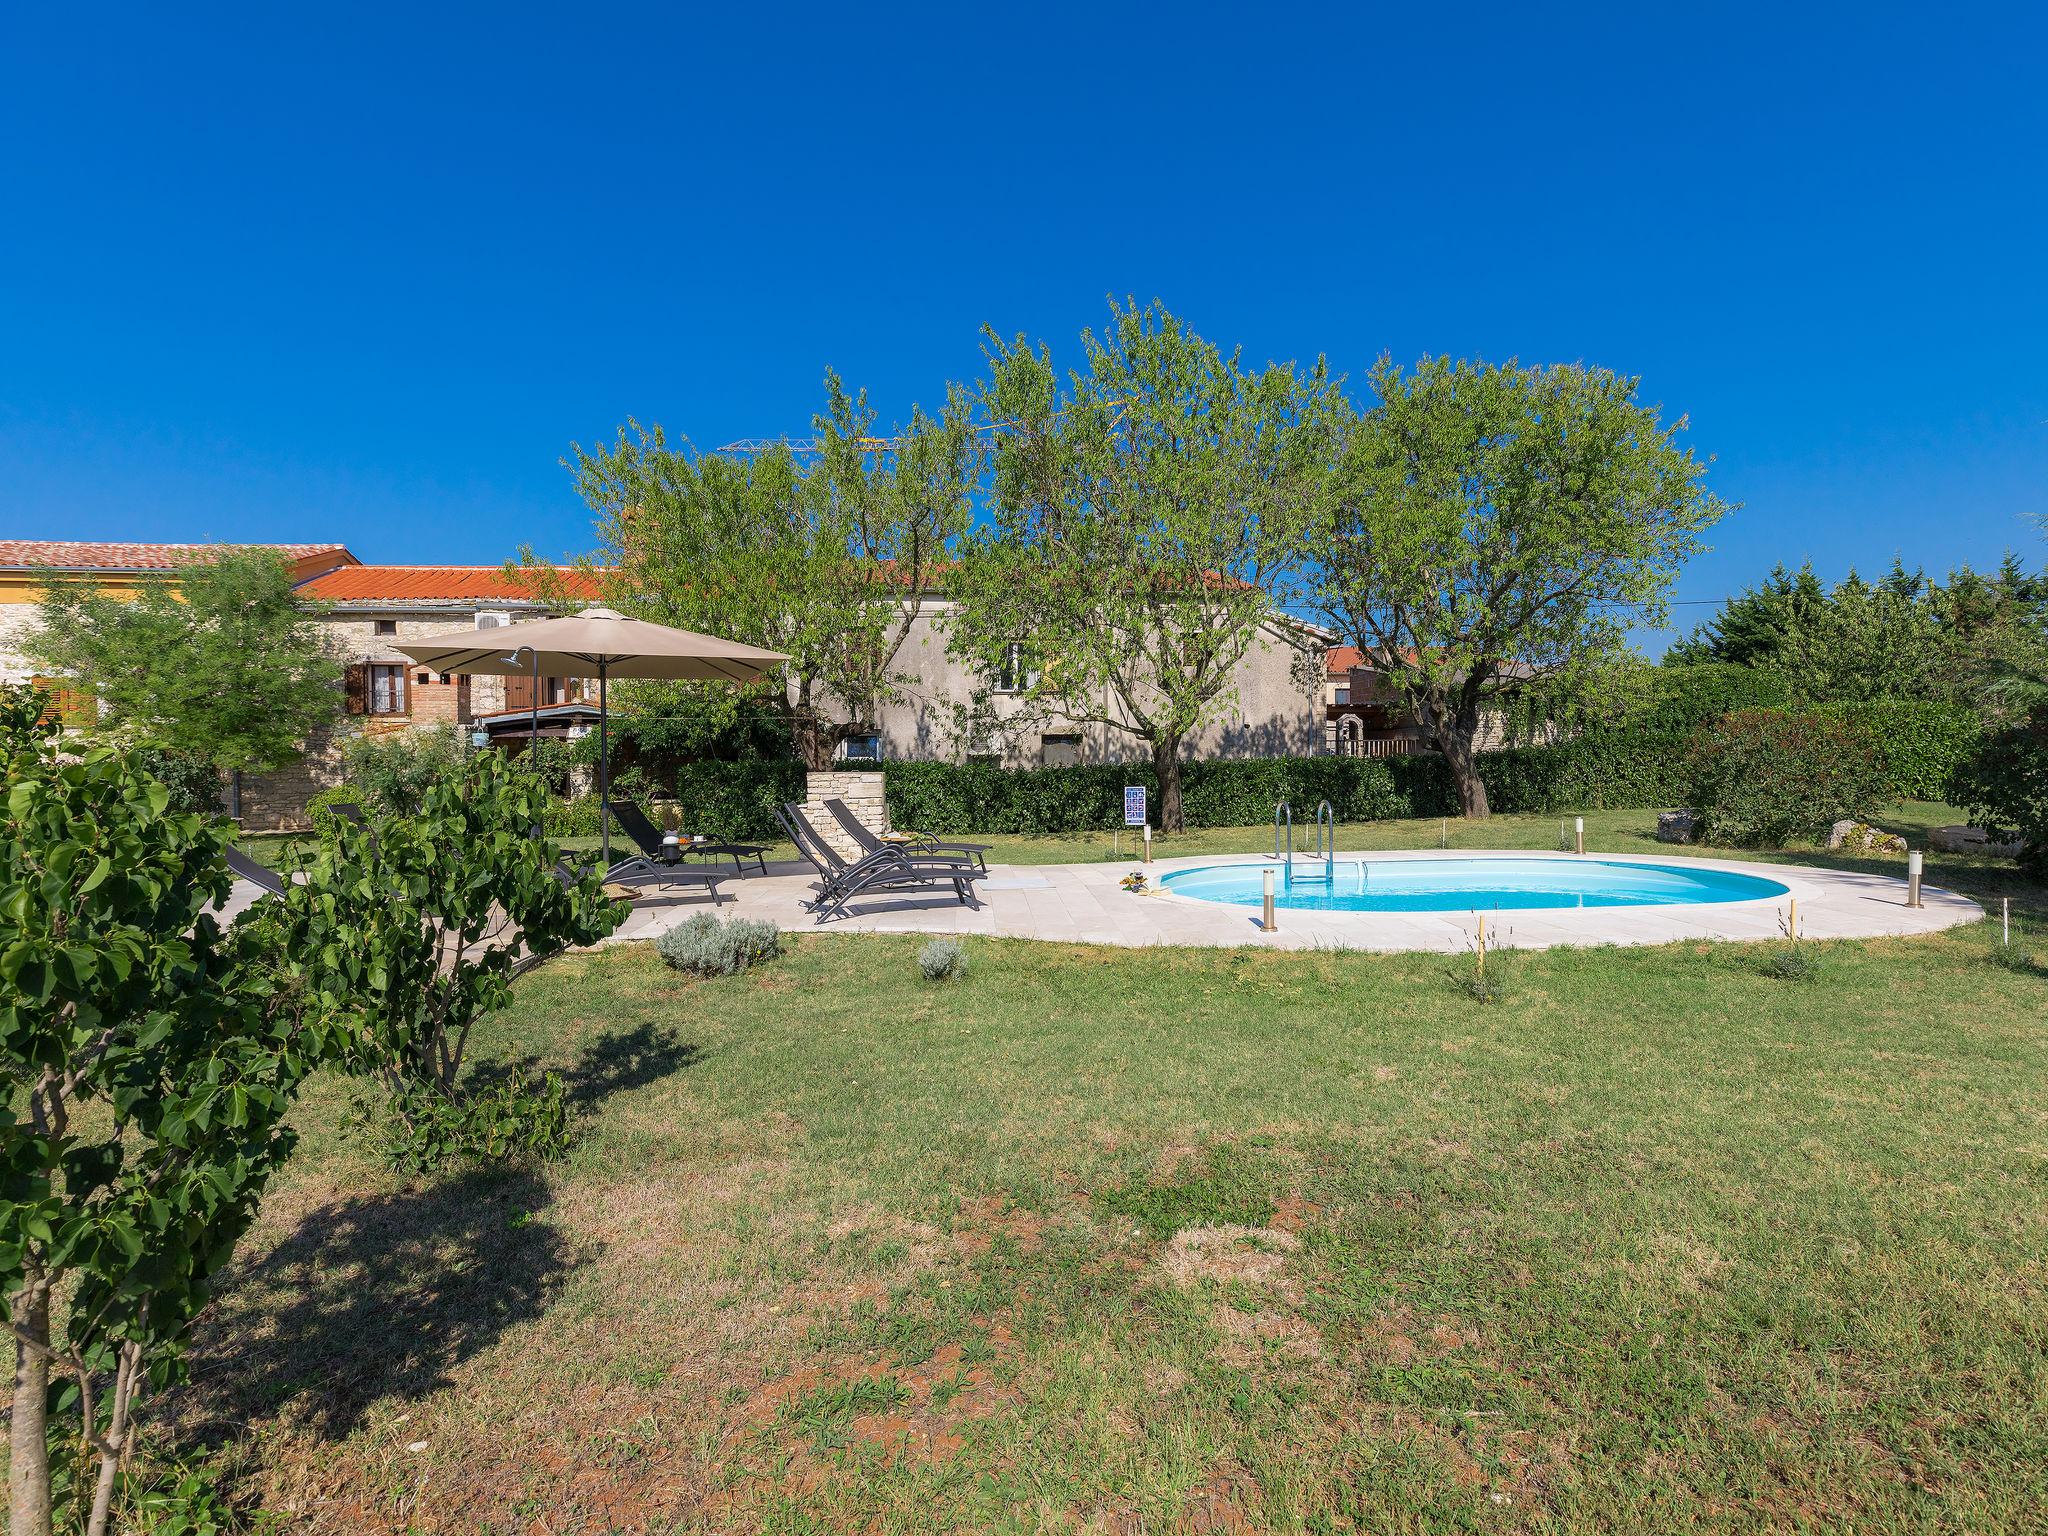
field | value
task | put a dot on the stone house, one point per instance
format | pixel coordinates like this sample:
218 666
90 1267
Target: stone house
947 711
28 566
367 610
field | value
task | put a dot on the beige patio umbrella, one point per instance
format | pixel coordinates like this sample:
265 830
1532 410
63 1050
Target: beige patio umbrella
599 643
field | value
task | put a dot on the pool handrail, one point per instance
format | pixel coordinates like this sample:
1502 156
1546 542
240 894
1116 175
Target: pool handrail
1286 810
1326 845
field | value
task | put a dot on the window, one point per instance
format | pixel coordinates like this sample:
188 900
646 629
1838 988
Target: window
387 690
1016 675
1061 750
558 690
387 626
861 749
1343 693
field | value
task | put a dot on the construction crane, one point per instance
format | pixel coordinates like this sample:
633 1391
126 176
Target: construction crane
801 445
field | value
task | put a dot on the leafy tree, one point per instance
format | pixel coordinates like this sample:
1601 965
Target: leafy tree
1974 639
831 562
149 1061
429 917
1751 629
252 678
1867 642
2004 786
1141 515
1499 528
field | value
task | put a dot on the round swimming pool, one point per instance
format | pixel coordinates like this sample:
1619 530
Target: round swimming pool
1467 885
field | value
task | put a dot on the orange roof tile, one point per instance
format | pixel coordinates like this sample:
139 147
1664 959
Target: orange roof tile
66 554
435 584
1342 658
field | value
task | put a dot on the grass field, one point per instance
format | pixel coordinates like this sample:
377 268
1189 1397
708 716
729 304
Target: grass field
1145 1241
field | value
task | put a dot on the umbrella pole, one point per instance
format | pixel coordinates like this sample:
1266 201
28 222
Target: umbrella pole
604 773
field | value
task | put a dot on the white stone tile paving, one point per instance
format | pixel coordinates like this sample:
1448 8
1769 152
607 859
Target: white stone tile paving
1082 904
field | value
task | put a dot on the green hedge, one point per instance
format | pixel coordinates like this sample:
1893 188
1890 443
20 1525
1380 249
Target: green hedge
1920 743
1600 771
1618 768
1687 697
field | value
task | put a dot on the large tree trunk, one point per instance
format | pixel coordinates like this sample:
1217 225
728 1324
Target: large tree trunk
1166 768
1454 738
28 1446
814 742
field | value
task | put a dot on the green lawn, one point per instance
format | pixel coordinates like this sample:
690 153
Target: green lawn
1181 1240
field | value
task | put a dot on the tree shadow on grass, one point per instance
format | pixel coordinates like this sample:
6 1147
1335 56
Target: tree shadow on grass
373 1297
618 1063
614 1063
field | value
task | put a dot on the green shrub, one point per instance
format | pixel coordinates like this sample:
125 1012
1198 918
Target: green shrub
735 802
714 946
1759 777
943 960
2004 786
571 818
1791 962
1684 698
320 809
194 783
393 771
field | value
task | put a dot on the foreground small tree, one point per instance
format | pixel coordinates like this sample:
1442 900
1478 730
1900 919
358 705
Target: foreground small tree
149 1061
1498 528
1141 516
224 662
831 561
427 920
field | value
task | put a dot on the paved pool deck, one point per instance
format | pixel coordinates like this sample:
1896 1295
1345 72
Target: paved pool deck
1083 904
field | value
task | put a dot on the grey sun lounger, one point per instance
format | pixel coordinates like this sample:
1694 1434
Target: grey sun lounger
242 867
888 869
649 866
637 825
917 846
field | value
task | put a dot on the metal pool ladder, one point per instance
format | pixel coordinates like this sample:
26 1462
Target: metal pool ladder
1326 838
1326 841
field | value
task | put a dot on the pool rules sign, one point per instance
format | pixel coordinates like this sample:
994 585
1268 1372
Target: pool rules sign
1134 805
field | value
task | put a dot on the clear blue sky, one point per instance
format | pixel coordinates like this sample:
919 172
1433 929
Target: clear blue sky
345 272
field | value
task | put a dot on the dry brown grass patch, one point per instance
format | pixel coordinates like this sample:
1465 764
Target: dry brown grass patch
1223 1254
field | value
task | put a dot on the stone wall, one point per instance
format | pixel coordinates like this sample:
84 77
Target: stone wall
862 792
18 621
276 801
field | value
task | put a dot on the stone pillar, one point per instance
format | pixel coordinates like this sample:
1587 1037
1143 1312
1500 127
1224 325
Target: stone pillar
862 792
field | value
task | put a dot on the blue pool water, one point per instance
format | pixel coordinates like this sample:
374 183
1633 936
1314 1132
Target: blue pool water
1467 885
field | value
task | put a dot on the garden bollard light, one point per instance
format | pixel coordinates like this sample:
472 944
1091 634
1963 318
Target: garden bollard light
1148 842
1269 901
1914 863
1579 832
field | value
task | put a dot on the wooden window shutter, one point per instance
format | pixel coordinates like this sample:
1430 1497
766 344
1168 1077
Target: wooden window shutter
358 688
